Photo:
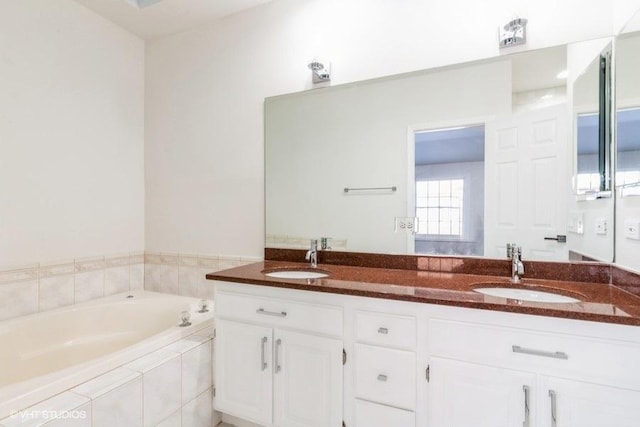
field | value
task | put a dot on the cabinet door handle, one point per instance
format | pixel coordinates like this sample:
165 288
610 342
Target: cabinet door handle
263 361
383 331
542 353
271 313
382 377
526 390
554 408
278 368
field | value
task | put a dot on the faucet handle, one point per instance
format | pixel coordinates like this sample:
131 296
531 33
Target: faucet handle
324 243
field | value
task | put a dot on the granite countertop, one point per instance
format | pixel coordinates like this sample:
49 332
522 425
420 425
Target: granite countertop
599 302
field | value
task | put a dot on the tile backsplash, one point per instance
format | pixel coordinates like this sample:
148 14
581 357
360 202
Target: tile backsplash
47 286
184 274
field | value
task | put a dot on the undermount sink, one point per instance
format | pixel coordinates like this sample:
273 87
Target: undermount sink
297 274
526 295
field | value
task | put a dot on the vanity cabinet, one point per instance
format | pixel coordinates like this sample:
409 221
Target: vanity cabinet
275 366
568 403
466 394
498 376
279 362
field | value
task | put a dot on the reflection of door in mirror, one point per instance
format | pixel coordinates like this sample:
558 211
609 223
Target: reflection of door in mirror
527 181
449 191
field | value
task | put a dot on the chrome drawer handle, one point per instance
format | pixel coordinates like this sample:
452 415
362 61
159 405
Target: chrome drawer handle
554 408
271 313
382 377
263 361
383 331
542 353
278 368
526 390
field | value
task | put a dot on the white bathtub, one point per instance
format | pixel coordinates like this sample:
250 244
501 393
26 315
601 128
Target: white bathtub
47 353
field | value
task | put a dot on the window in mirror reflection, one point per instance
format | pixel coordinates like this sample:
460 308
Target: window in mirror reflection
588 175
628 140
439 205
449 183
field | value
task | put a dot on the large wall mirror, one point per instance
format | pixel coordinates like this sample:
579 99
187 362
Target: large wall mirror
458 160
627 176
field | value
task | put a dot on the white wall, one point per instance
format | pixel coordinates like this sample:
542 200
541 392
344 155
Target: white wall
205 89
71 134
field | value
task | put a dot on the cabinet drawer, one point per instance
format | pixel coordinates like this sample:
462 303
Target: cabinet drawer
385 375
388 330
373 415
572 356
321 319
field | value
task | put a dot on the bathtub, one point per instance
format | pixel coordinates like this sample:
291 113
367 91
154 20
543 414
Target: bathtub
44 354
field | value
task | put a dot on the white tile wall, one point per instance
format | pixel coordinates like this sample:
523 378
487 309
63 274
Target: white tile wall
41 287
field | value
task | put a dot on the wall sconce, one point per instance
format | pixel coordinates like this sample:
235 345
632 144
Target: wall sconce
514 33
320 70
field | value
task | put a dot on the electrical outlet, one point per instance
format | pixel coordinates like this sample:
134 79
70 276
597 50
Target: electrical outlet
405 224
601 226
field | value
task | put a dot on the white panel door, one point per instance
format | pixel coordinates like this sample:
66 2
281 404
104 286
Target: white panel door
465 394
527 182
307 380
579 404
244 373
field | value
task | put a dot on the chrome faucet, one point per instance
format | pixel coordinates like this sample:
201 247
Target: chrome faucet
517 267
312 253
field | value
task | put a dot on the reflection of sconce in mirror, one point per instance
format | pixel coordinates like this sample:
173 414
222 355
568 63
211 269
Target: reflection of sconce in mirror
513 33
320 70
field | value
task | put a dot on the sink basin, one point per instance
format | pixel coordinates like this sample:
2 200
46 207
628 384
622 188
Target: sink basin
297 274
526 295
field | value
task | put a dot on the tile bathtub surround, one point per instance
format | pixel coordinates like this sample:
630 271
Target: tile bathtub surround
168 387
47 286
184 274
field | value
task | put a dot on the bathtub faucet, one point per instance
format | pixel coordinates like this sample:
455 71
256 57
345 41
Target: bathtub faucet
186 319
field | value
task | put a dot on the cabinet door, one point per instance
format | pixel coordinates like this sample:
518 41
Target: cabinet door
307 380
566 403
243 369
466 394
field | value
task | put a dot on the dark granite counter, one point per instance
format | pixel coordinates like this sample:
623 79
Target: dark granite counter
599 302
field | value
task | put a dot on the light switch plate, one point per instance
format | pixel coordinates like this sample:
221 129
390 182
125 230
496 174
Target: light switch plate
632 229
576 222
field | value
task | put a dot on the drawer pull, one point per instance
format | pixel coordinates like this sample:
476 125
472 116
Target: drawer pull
382 377
542 353
271 313
383 331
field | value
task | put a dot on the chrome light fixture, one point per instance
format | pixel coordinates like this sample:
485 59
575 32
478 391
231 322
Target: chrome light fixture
514 33
320 71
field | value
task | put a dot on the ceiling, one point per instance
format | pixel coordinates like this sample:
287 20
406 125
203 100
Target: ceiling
150 19
455 145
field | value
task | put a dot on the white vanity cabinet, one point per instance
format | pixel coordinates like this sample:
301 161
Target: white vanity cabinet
466 394
278 362
501 376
